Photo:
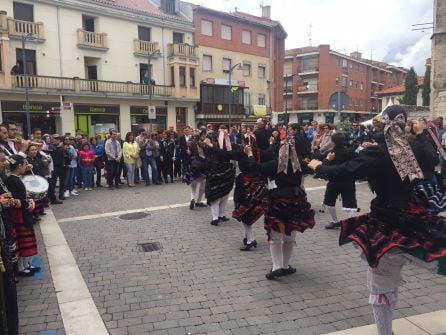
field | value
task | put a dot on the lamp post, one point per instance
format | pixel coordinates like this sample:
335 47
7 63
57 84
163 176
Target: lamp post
156 53
239 67
27 37
286 92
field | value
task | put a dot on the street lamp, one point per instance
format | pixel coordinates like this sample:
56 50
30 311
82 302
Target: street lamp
27 37
156 53
239 67
286 92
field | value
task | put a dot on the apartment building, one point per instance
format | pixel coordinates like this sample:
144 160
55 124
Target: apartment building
241 65
102 62
317 80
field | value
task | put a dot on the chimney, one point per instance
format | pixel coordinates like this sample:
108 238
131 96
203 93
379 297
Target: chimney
356 55
266 11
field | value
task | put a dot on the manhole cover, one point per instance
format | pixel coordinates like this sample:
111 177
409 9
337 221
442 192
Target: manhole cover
149 247
134 216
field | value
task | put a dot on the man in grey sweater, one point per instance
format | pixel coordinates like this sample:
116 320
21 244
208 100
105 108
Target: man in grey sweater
114 153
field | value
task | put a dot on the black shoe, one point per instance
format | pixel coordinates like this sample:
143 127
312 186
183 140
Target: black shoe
289 271
274 274
111 187
56 202
147 184
98 185
200 204
245 241
214 222
249 246
62 198
333 225
25 273
223 218
192 204
117 186
158 183
33 269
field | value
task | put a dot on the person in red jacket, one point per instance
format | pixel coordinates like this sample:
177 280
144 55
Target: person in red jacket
87 162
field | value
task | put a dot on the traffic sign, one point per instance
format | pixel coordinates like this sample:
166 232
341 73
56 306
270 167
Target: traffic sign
151 110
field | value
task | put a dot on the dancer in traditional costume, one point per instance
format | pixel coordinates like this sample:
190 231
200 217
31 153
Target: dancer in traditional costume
397 230
195 176
250 188
21 216
220 179
288 210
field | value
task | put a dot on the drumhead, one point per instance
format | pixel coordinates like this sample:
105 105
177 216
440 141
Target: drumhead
35 184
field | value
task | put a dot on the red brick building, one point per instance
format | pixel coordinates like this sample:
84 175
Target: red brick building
314 74
254 48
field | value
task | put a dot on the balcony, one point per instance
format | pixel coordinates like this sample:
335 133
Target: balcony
307 106
307 89
93 87
182 50
143 48
309 71
19 28
91 40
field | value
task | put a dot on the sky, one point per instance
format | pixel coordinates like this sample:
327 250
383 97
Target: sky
380 29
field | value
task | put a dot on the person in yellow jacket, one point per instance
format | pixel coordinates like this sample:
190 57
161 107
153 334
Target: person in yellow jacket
130 152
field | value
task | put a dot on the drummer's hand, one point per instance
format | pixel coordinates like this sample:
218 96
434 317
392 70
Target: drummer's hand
331 156
29 167
17 203
31 204
6 195
5 202
314 164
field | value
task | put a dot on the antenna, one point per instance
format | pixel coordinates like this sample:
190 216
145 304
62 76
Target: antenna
309 36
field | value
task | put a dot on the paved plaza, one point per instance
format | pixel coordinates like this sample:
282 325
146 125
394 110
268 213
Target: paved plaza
199 282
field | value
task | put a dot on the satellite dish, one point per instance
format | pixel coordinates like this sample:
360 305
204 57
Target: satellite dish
339 101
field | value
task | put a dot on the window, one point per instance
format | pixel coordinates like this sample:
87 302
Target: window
356 84
143 33
362 86
351 83
88 23
344 63
344 81
261 41
168 6
172 76
338 62
192 76
207 63
247 69
262 71
182 76
309 64
261 99
351 65
23 12
206 28
226 32
178 38
337 81
246 37
226 64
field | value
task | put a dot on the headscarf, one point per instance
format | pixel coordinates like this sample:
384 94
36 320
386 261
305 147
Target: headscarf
399 149
224 138
287 152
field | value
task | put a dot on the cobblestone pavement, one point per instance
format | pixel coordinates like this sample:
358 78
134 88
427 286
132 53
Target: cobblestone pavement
200 283
38 308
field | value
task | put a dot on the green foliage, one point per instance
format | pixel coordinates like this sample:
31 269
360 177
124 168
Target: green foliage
426 93
345 126
411 88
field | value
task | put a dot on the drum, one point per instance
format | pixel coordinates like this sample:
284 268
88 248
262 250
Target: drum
37 186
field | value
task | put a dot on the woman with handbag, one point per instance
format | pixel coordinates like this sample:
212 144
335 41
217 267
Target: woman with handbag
99 152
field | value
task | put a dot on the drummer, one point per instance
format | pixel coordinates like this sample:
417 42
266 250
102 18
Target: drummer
39 168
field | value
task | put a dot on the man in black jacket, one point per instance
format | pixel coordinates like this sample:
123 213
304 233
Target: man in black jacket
341 186
59 157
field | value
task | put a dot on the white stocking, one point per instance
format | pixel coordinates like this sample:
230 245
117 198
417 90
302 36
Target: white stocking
21 264
351 212
215 208
29 260
199 191
332 211
287 249
248 233
193 190
223 203
383 315
275 247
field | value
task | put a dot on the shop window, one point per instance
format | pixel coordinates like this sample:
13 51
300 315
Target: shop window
261 40
192 76
206 28
23 11
207 63
246 37
226 32
182 76
144 33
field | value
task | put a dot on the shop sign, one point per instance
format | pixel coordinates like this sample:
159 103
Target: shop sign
34 107
142 110
96 109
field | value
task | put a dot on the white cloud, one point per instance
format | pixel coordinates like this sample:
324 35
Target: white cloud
381 28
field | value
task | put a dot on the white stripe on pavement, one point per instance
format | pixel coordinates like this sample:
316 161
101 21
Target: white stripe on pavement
148 209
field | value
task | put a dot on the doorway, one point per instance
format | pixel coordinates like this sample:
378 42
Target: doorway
181 117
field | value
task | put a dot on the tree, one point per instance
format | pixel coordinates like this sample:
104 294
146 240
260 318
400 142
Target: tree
411 88
426 93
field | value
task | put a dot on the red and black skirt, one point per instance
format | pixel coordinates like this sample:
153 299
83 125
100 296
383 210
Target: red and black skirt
287 212
249 198
24 235
414 231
